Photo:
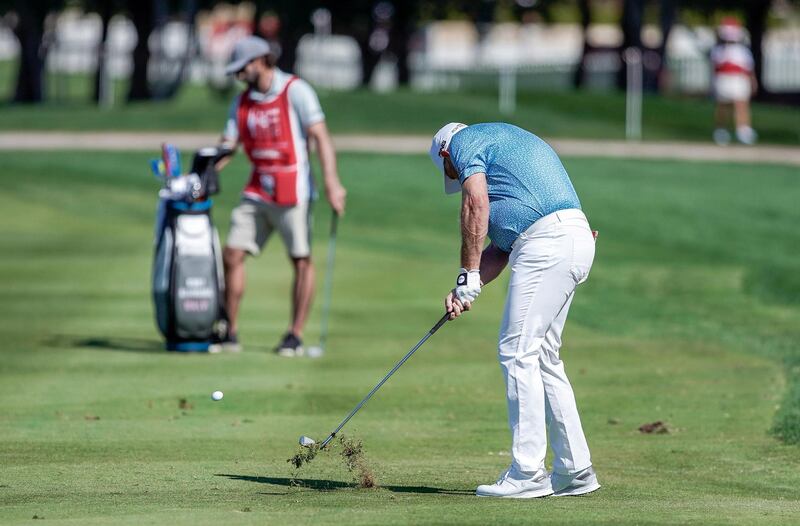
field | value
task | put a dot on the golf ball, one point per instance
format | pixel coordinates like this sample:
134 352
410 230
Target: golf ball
217 395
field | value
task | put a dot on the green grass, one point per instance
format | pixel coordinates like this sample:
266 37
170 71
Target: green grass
689 317
581 114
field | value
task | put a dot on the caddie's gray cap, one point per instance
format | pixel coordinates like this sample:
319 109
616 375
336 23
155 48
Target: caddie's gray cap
245 50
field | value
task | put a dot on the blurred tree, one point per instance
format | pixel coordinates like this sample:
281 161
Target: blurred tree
377 26
143 17
367 22
105 9
586 18
400 34
755 14
29 28
652 59
295 21
170 70
381 28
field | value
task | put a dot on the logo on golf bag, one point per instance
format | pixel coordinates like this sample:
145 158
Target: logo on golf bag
196 305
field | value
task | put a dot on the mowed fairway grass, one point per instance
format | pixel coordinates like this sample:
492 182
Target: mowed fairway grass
690 317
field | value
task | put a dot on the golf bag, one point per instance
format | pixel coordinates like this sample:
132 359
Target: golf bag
188 281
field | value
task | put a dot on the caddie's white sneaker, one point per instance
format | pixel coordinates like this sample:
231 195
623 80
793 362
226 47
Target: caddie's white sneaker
515 484
579 483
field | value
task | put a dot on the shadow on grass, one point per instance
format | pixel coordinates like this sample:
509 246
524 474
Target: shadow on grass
333 485
106 343
111 343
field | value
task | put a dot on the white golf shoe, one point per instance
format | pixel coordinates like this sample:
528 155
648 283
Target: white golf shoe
580 483
515 484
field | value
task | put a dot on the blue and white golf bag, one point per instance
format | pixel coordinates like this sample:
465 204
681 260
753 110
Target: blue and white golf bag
188 280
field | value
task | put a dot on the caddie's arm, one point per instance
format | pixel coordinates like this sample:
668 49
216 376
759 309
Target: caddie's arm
334 190
229 145
229 139
474 227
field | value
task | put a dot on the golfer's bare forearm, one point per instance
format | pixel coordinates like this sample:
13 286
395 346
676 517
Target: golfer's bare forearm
493 261
474 220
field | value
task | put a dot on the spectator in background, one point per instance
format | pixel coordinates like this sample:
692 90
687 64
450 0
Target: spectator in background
734 82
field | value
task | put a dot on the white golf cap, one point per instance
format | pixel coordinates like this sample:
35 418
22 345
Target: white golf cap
441 142
245 50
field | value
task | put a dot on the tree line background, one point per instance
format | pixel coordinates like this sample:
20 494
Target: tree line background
360 19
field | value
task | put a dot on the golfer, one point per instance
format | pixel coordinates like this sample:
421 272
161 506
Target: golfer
274 119
516 191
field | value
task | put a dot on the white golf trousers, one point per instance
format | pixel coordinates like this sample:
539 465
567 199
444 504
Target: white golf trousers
547 262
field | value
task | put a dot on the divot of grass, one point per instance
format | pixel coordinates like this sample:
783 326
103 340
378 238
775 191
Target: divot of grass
303 456
655 428
352 455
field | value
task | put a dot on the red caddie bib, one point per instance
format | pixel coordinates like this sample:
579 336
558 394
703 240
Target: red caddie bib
265 131
731 68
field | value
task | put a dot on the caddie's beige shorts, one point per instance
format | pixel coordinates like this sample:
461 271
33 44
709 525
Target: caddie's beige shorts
252 223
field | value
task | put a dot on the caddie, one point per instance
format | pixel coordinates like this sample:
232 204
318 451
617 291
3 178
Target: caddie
274 119
516 192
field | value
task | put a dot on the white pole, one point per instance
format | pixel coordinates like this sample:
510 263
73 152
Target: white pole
633 94
321 20
507 90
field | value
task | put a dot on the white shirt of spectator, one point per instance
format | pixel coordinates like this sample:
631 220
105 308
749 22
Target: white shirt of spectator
729 57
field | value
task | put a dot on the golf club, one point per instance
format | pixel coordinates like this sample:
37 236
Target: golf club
308 441
327 288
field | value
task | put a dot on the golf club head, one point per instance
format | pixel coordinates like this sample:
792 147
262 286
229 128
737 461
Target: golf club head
307 441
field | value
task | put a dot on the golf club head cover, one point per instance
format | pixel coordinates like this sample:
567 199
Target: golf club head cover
468 285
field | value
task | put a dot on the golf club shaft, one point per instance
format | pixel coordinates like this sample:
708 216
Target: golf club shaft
326 300
378 386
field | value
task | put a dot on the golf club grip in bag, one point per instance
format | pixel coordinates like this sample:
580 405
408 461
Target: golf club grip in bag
204 165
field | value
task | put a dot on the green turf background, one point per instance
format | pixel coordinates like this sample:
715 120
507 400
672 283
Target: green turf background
691 316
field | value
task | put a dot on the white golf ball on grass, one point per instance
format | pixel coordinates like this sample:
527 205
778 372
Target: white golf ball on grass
315 352
217 396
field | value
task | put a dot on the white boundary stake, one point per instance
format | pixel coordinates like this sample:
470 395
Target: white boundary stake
507 90
633 94
106 88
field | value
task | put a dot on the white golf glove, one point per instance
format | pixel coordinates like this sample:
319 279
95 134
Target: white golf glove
468 285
